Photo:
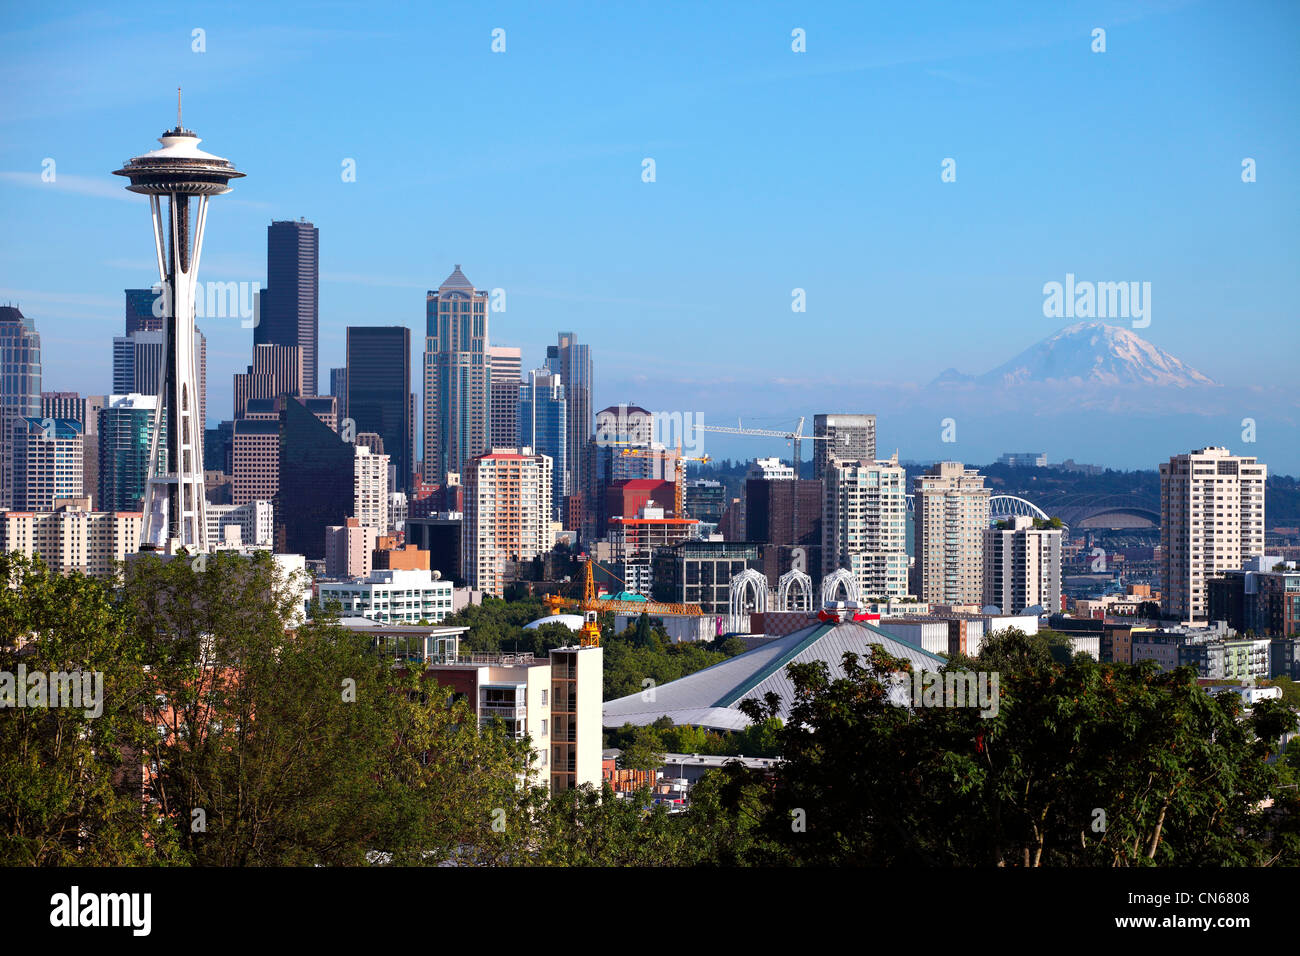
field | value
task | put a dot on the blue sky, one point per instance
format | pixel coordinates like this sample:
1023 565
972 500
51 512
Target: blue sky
774 170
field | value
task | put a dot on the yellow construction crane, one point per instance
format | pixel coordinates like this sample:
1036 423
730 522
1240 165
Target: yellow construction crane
591 606
679 477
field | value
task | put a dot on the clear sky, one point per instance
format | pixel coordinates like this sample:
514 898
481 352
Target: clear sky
774 170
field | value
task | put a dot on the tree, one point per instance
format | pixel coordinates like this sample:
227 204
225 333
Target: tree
70 776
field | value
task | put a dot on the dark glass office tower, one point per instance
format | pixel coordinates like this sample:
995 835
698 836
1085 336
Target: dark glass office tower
572 362
288 310
316 486
139 311
379 391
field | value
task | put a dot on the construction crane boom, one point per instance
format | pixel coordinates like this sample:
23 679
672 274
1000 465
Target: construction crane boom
591 606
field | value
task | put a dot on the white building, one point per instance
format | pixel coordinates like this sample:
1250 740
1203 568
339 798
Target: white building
1211 520
73 538
370 484
1022 567
864 525
769 469
253 524
398 510
400 597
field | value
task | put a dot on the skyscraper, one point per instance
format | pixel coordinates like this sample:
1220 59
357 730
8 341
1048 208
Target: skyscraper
506 367
20 388
126 426
379 391
47 462
140 304
543 426
339 389
951 507
316 485
572 362
852 438
457 377
1211 520
289 305
864 525
507 515
276 371
175 497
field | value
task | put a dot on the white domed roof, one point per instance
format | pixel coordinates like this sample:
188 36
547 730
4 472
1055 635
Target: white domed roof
572 621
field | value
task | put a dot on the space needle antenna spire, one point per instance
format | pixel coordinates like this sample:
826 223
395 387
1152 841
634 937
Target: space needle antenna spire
175 503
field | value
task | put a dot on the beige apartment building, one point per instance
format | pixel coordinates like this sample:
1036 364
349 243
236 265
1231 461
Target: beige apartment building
1211 520
864 525
73 538
951 506
507 514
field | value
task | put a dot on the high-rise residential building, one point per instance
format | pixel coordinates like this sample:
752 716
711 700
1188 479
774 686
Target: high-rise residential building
289 305
276 371
370 481
506 366
73 538
125 434
48 462
572 362
20 388
1211 521
705 499
379 392
85 412
144 310
864 525
507 515
543 427
1022 567
951 505
850 438
457 377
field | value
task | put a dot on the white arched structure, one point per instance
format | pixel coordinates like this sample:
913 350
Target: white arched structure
832 583
801 583
746 582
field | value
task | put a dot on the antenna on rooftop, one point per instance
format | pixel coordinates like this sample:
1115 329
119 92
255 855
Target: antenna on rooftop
178 107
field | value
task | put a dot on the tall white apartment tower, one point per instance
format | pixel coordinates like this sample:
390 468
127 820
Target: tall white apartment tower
951 508
864 524
1211 520
174 501
1022 567
849 438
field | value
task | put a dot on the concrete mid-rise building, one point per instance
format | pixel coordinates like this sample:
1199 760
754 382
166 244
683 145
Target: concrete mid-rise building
951 512
849 437
73 538
1022 566
349 549
252 524
391 596
864 525
507 514
1211 521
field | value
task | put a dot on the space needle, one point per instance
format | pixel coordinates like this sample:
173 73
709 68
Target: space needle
175 505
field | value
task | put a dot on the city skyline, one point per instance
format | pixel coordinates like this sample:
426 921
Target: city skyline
910 280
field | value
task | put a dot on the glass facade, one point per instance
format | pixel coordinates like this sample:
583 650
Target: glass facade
379 391
316 485
288 306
